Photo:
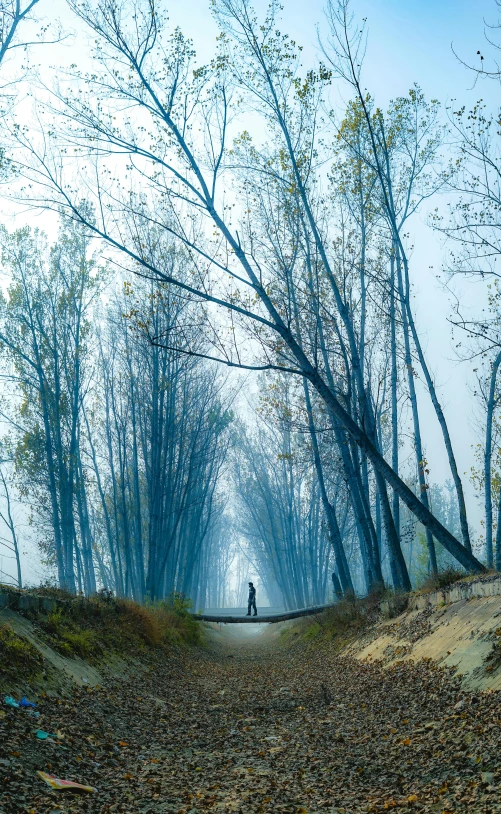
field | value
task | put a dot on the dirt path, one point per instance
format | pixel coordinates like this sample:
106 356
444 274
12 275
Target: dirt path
250 726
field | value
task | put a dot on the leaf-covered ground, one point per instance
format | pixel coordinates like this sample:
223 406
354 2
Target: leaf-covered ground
256 726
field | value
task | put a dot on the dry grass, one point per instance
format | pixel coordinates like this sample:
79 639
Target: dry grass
343 621
447 578
91 628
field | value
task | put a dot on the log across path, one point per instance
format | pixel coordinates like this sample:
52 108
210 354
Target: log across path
275 616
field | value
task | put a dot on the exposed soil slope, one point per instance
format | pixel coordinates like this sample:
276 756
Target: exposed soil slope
464 635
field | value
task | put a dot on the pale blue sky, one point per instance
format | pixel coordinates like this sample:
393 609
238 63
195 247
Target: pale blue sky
409 40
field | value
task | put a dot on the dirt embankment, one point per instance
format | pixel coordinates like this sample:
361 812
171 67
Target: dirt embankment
458 628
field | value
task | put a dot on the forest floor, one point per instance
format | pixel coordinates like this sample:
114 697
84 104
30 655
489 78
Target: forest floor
260 723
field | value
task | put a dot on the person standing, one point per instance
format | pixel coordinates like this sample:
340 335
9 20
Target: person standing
252 600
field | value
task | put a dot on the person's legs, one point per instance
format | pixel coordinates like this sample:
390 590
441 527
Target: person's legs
254 606
249 606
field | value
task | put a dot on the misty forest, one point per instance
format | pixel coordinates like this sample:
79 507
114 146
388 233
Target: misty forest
213 364
250 332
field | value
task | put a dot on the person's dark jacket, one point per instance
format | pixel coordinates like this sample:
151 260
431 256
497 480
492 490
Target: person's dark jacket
252 594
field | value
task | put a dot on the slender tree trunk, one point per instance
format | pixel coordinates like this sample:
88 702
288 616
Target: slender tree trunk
330 515
498 535
491 403
104 506
12 528
463 518
394 392
423 487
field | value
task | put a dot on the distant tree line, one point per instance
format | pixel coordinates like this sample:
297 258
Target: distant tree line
118 445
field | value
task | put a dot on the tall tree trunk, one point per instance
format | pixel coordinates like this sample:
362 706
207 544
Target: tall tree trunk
491 403
394 392
423 487
330 515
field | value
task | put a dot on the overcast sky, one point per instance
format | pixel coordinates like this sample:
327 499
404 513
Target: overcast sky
409 41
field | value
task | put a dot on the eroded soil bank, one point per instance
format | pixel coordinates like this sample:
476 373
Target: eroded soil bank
261 723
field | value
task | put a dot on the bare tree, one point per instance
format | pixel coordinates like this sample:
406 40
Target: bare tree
12 14
6 515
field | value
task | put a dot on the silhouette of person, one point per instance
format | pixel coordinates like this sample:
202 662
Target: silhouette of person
252 600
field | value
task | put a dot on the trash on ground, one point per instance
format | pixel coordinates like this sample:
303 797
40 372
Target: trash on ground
42 735
63 785
27 704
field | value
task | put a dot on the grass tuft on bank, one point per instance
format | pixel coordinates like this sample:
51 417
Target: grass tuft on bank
352 615
94 627
18 657
345 620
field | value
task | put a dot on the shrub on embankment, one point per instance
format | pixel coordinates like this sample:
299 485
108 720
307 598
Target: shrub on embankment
94 628
346 619
444 579
352 616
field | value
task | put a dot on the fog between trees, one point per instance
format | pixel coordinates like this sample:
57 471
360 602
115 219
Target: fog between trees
214 366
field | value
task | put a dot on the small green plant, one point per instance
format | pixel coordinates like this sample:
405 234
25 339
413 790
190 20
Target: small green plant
178 621
54 623
178 603
17 657
69 637
349 615
83 643
313 630
343 620
492 660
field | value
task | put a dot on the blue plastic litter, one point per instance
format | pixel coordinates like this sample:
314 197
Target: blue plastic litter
42 735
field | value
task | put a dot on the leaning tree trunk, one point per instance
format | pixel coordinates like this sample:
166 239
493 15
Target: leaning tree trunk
463 517
394 393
